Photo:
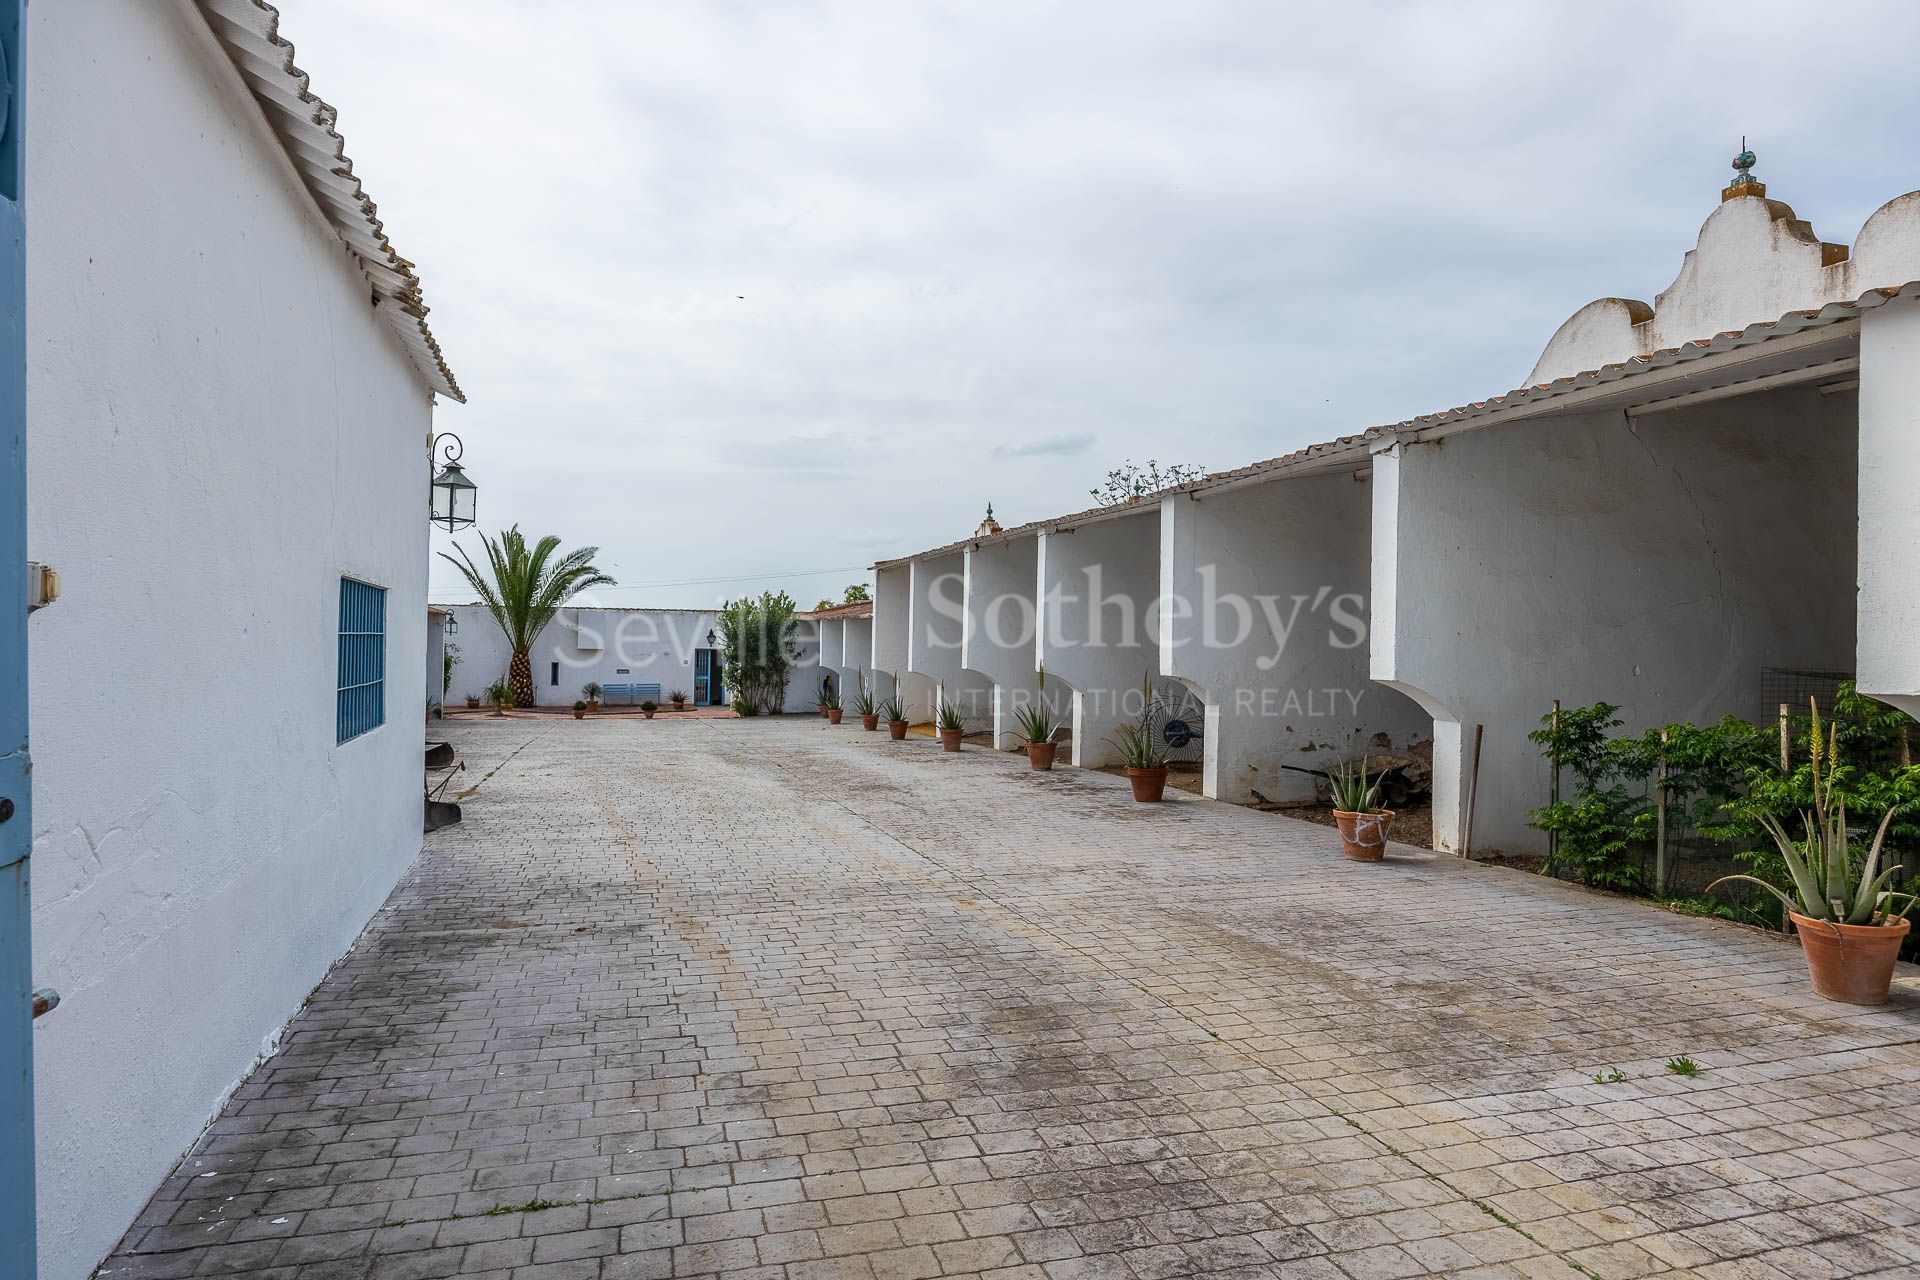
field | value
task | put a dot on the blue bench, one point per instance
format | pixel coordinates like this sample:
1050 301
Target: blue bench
633 693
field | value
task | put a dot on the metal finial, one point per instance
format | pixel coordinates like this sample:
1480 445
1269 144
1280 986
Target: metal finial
989 512
1744 183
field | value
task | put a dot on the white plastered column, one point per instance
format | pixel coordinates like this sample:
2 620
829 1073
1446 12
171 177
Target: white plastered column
1097 587
1264 603
1657 563
1888 664
1001 623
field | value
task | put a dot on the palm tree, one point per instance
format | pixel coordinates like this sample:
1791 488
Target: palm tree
526 588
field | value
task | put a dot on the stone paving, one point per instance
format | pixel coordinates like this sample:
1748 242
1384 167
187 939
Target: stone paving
778 999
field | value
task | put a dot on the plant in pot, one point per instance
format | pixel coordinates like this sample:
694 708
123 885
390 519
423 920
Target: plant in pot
1357 813
591 692
952 727
678 699
1141 750
833 707
648 706
473 701
895 716
1851 925
500 696
579 709
1037 727
864 705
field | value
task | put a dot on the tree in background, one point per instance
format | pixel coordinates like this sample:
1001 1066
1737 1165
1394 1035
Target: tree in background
856 594
449 659
1129 480
523 588
756 637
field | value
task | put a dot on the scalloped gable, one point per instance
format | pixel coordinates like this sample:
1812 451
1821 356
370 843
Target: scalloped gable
1754 261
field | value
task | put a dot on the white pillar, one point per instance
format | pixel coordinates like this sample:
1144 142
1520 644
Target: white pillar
1888 662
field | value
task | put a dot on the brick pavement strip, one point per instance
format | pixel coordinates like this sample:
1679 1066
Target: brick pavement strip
780 999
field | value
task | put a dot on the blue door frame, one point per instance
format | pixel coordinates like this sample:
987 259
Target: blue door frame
16 816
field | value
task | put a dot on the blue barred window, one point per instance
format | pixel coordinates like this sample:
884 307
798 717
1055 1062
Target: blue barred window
361 703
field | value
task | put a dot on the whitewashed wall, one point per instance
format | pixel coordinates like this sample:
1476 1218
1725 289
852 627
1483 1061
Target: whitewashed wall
221 427
1656 564
1272 583
608 646
1097 631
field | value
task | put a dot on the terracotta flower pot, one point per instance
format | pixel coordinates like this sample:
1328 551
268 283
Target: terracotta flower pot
680 706
870 723
648 714
833 715
1149 785
896 729
1851 963
593 704
950 739
473 704
823 712
1040 755
1363 836
580 713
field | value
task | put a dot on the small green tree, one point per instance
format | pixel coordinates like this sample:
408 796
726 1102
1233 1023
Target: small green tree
758 648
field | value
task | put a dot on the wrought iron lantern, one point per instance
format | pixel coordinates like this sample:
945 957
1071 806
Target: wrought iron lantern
455 498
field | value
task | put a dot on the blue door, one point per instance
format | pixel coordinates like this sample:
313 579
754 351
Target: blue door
16 819
708 689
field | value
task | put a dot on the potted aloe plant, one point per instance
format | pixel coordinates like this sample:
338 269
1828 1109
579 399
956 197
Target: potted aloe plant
1141 751
952 727
473 701
1037 727
579 709
895 716
591 692
834 711
864 705
647 707
678 699
1850 929
1357 813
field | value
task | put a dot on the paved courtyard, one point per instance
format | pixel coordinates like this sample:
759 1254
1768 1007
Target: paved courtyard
777 999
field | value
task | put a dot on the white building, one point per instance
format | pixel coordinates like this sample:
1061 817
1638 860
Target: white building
1684 503
230 389
677 650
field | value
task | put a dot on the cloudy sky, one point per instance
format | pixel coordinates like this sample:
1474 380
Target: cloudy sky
741 292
